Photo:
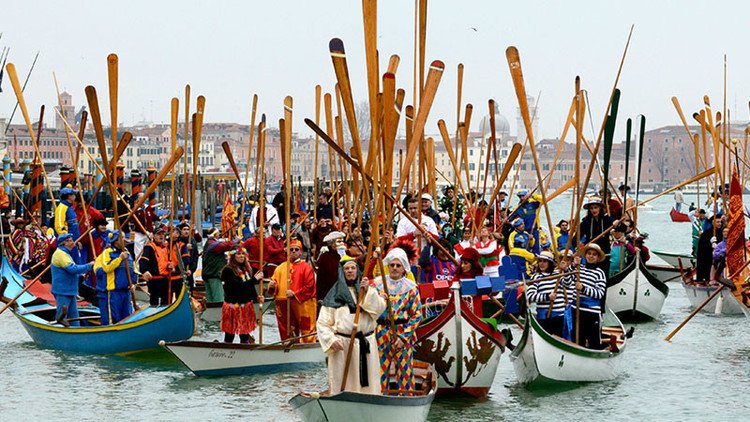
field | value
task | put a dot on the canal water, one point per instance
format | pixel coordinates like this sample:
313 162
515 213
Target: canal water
701 375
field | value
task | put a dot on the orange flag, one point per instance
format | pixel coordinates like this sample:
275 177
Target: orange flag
228 216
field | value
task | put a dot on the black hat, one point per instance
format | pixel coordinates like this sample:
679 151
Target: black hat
276 226
623 187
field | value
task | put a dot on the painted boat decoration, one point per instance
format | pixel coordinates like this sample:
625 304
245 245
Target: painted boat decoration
674 258
215 358
467 370
347 406
140 331
678 217
635 293
541 357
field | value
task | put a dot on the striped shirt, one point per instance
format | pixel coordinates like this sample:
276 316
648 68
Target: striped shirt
540 292
594 284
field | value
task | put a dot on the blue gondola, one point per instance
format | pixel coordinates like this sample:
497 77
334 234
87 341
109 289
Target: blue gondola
140 331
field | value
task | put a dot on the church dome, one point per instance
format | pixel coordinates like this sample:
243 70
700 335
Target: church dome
502 127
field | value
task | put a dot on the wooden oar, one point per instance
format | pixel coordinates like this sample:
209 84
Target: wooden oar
702 305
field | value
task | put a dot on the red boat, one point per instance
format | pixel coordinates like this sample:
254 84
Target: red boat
463 349
678 217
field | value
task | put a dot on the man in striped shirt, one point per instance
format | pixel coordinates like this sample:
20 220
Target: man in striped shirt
438 265
546 293
588 290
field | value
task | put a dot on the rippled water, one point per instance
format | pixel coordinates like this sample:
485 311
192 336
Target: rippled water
701 375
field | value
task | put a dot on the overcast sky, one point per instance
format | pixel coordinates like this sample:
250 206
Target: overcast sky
229 50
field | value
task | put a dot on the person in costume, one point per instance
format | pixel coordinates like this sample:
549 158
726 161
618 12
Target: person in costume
437 265
528 211
520 244
336 323
190 239
590 286
622 250
453 207
408 230
697 218
490 251
548 293
294 282
563 237
20 245
396 338
65 274
240 296
160 267
146 215
214 261
595 223
706 244
113 284
66 220
328 263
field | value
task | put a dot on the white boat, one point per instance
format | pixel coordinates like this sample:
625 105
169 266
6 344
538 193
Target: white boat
469 369
674 258
215 358
542 358
725 303
347 406
635 294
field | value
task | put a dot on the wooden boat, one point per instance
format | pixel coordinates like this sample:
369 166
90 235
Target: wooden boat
678 217
348 406
468 370
140 331
674 258
635 293
215 358
664 273
723 304
541 357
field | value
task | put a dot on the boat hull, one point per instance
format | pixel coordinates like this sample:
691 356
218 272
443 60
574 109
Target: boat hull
723 304
347 406
678 217
213 358
674 259
665 273
172 323
635 294
469 371
541 358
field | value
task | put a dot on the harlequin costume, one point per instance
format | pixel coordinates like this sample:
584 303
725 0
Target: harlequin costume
407 313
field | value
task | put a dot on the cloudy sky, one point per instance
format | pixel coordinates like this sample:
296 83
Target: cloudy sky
229 50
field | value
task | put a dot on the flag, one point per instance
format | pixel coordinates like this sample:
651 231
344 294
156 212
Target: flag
736 237
299 205
228 216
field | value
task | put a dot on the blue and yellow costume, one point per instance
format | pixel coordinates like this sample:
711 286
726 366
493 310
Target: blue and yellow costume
521 243
528 212
112 282
65 274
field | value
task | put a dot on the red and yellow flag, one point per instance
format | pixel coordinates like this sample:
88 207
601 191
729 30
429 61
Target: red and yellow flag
736 254
228 216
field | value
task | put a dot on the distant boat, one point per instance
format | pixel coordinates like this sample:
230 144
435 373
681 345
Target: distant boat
678 217
674 258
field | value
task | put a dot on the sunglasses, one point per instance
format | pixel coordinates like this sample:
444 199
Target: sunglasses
294 249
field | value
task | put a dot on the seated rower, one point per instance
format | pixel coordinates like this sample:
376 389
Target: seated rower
335 325
548 293
588 288
396 345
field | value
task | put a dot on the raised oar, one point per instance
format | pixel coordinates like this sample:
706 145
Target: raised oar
428 95
230 157
514 63
386 195
25 112
370 19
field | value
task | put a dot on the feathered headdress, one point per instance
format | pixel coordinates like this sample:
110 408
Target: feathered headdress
408 246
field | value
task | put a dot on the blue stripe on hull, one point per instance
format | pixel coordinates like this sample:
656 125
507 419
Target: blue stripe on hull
260 369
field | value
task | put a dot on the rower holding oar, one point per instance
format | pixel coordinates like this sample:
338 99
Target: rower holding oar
294 282
588 291
546 294
65 275
112 282
396 343
336 323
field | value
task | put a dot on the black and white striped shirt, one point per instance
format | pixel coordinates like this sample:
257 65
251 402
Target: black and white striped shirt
540 292
594 284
